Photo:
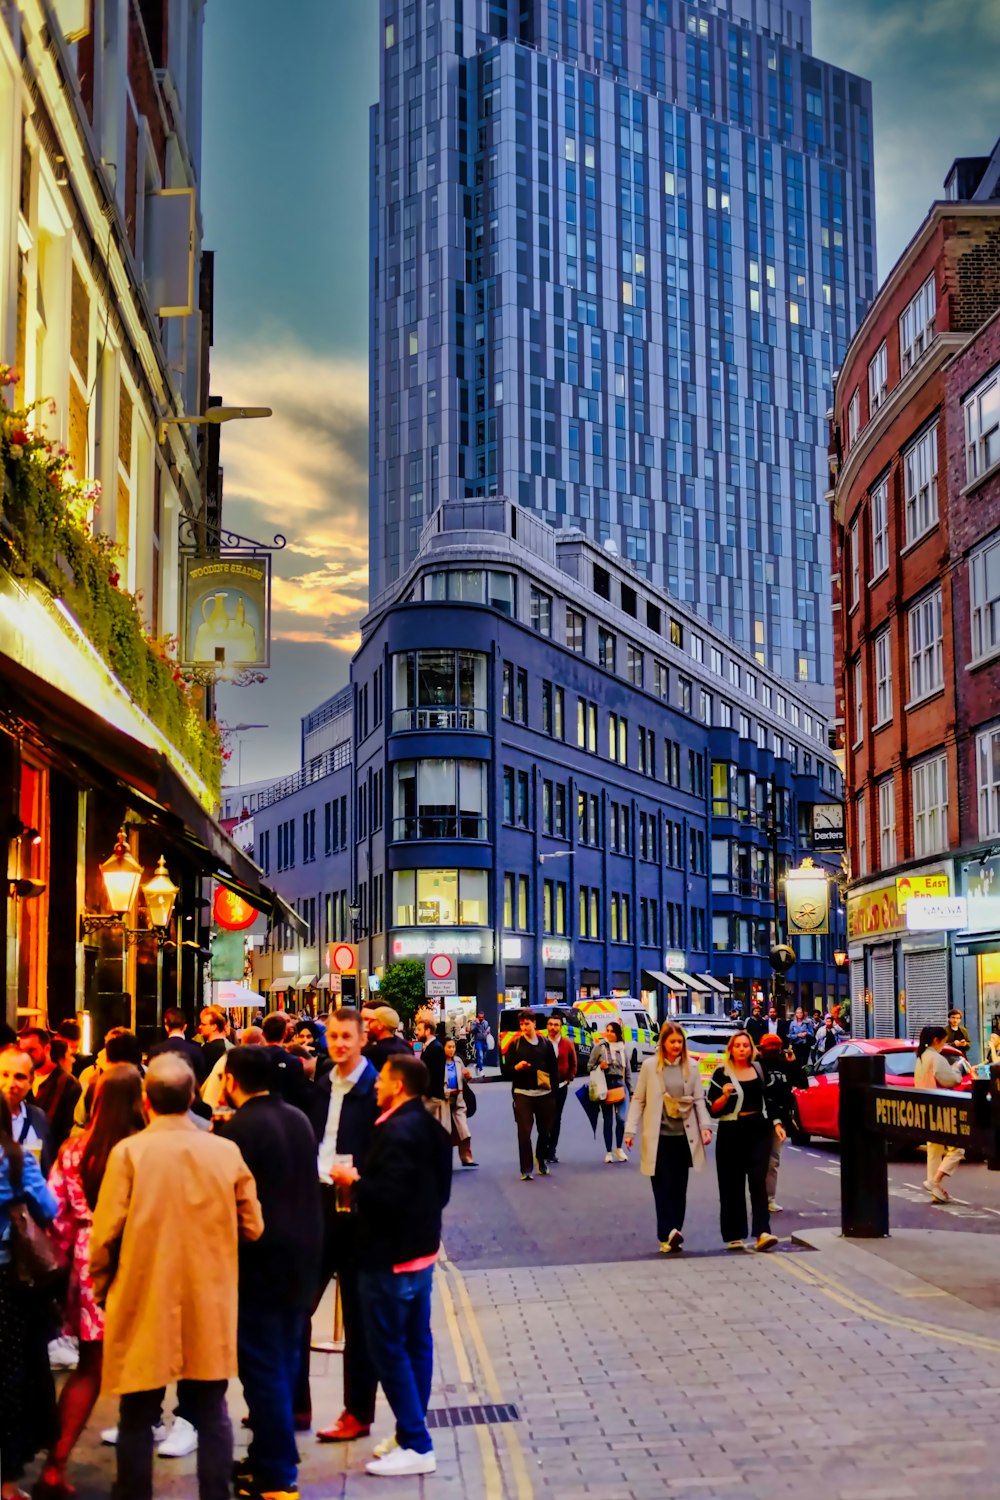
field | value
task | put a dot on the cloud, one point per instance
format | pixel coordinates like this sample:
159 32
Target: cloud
932 65
302 473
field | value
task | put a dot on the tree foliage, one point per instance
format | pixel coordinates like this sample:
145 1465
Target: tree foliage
403 987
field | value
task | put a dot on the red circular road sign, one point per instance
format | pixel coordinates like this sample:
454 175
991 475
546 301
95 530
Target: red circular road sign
343 958
441 966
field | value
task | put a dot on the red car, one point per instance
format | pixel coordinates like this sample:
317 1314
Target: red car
818 1104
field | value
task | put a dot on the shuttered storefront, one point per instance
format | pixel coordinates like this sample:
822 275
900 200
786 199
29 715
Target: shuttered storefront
883 991
926 983
857 997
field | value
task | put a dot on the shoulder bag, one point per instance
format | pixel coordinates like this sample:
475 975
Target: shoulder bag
616 1092
36 1261
471 1102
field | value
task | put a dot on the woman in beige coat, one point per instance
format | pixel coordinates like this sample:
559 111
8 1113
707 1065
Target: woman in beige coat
669 1115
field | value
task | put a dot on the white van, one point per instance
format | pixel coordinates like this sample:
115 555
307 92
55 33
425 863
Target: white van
639 1029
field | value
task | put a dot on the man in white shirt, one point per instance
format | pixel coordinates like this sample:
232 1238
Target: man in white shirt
29 1126
345 1110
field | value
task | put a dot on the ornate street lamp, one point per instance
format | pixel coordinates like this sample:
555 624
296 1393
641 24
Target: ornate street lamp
121 874
160 893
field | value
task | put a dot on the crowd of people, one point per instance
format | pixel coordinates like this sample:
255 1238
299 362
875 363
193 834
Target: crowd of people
305 1151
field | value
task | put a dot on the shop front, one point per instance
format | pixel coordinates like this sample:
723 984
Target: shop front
899 960
471 950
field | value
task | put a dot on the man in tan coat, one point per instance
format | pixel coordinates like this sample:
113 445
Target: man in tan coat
163 1257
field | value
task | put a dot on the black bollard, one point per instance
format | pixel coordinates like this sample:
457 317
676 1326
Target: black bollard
864 1171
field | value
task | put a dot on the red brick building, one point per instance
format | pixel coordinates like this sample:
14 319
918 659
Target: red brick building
910 520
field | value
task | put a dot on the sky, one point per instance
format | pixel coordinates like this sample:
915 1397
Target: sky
285 208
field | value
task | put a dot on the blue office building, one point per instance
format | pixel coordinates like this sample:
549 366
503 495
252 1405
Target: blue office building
617 250
557 777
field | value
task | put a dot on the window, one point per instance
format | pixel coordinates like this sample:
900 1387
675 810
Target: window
886 823
507 697
554 907
696 646
620 917
440 799
515 902
590 911
309 836
439 690
855 546
878 381
576 627
744 726
553 711
618 738
988 779
541 612
880 528
715 660
854 418
984 592
661 680
440 898
861 842
916 326
859 701
883 678
633 665
704 706
920 485
982 426
605 648
930 806
684 694
926 647
521 698
734 673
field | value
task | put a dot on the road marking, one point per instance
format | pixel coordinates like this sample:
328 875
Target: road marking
491 1474
838 1292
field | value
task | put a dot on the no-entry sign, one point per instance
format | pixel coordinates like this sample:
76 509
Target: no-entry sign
344 958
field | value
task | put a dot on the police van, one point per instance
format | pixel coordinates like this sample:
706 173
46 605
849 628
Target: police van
573 1026
639 1030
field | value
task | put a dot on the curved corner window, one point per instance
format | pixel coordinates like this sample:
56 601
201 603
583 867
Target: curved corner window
440 898
472 586
439 799
439 690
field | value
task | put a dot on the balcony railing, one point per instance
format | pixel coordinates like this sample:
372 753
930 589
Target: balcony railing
440 718
438 826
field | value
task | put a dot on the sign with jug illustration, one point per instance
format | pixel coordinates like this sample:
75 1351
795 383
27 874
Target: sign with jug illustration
226 610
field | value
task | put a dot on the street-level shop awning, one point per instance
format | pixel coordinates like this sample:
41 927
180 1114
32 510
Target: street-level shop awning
304 982
110 759
323 982
278 986
664 979
714 984
687 981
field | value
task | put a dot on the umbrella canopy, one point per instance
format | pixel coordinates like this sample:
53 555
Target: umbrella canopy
233 996
591 1108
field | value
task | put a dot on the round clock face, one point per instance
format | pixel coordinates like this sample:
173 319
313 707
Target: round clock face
830 815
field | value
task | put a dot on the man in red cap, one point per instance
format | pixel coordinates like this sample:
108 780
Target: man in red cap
780 1075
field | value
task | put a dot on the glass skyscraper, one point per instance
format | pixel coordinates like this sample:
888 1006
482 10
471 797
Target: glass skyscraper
618 248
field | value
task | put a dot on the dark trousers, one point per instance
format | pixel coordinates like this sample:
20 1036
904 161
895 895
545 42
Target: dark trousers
205 1400
742 1152
670 1183
397 1312
559 1097
340 1258
269 1350
613 1116
537 1110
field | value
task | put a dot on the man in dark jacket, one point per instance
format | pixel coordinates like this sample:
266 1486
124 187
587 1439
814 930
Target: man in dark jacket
288 1076
567 1064
402 1190
531 1063
176 1040
782 1073
280 1271
29 1127
344 1111
433 1058
55 1091
384 1040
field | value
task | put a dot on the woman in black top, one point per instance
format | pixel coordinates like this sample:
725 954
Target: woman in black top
743 1143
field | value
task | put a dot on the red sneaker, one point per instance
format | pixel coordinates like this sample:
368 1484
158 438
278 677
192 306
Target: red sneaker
344 1430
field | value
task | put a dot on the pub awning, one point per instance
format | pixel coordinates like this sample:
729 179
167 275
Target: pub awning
664 979
304 982
112 760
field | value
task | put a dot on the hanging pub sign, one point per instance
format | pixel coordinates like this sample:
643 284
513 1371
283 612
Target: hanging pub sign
226 610
231 912
807 900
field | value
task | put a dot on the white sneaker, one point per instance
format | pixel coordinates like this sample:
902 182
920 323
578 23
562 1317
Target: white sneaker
181 1440
609 1156
385 1446
620 1155
403 1461
63 1353
110 1435
774 1208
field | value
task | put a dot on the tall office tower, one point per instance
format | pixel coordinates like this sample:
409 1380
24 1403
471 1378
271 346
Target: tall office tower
618 249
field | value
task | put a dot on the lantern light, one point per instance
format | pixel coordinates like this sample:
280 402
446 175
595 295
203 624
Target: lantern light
840 958
121 874
160 893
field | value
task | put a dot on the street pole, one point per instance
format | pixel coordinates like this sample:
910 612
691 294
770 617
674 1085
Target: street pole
777 980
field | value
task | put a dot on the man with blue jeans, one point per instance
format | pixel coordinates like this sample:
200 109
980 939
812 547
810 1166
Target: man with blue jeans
400 1195
278 1273
480 1032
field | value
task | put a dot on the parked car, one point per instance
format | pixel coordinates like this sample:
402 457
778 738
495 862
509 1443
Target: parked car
818 1103
575 1027
707 1038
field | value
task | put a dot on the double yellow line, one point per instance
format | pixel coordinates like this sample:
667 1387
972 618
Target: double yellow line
455 1297
844 1296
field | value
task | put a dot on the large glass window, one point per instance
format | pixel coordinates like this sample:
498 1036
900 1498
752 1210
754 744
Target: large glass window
926 647
439 799
440 898
883 678
880 528
982 427
916 325
439 690
930 806
984 589
472 586
920 465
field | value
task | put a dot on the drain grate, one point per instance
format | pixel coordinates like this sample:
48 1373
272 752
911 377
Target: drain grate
473 1416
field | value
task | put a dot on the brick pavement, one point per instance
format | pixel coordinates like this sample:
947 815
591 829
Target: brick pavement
838 1374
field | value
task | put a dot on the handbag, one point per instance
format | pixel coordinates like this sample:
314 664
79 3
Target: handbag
35 1258
598 1086
615 1095
471 1102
